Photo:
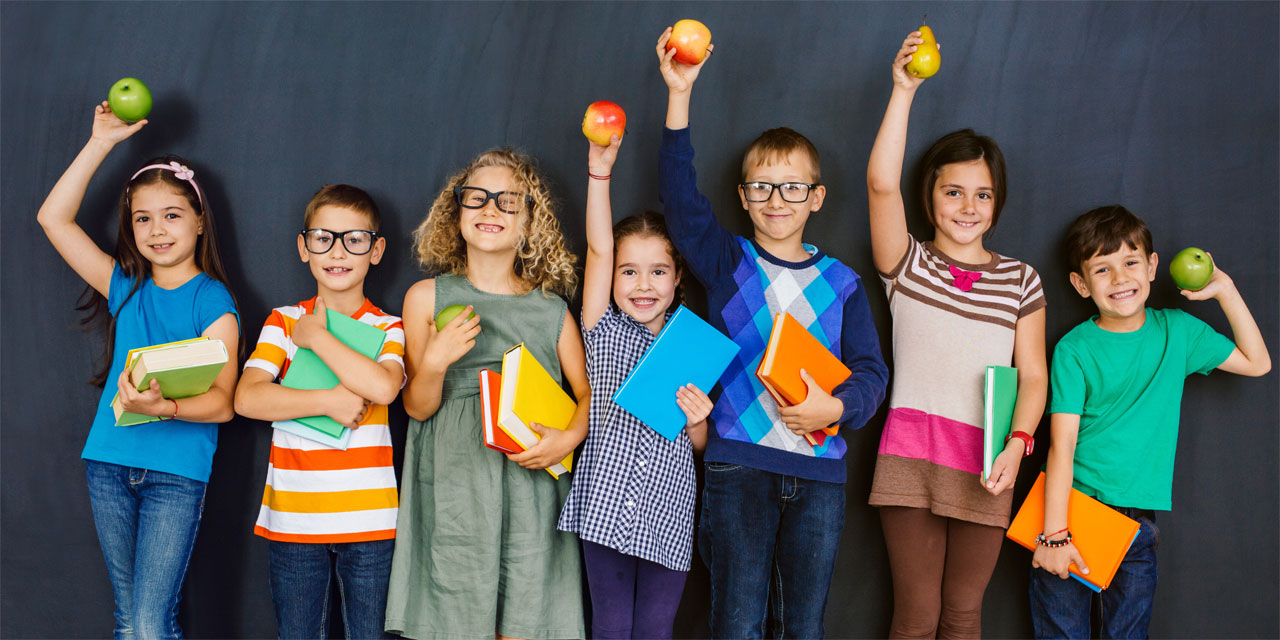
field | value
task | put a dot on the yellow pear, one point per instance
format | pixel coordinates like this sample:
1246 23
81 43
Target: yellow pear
926 60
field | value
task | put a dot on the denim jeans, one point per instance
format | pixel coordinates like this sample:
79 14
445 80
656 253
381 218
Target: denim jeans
769 542
300 580
147 523
1062 608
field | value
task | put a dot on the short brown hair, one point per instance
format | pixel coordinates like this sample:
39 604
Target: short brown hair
777 144
962 146
347 197
1102 231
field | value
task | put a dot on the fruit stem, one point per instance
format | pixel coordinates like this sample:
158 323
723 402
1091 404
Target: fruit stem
925 19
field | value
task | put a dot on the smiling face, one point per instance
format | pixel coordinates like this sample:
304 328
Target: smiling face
779 224
489 229
645 279
338 270
963 205
165 227
1119 283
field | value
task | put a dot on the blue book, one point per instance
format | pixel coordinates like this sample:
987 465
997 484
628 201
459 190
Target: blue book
687 350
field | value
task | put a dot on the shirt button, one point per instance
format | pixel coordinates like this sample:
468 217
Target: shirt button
643 462
630 503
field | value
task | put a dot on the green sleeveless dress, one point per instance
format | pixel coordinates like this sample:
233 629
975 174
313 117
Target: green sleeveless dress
477 550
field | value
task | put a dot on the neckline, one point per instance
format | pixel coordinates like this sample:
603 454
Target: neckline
985 266
471 285
1146 322
151 278
811 260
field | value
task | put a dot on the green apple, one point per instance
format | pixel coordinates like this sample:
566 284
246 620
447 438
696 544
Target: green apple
450 312
1191 269
129 99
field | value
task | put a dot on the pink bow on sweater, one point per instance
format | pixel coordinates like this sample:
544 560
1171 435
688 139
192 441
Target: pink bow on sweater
964 280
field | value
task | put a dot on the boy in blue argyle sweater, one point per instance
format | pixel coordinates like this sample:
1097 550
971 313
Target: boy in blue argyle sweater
773 505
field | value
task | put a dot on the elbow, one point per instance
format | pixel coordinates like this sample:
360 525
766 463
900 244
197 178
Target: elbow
877 186
415 409
386 395
1262 369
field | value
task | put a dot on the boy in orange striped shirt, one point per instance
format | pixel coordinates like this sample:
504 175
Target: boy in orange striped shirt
325 508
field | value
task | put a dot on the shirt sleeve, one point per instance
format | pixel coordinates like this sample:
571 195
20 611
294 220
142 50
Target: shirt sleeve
1066 382
863 391
213 302
711 251
393 348
1032 292
118 289
273 343
1206 348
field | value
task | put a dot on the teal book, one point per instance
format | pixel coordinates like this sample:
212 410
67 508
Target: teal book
1000 393
308 371
687 350
314 435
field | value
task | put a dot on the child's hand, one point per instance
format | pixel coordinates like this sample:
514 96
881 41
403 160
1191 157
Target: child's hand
679 77
309 328
901 78
550 449
345 407
695 404
445 347
1004 471
109 128
1219 284
147 403
600 159
1058 560
819 409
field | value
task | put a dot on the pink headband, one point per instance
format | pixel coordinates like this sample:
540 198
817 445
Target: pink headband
180 172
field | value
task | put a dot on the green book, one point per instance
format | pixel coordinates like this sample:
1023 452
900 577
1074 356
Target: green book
308 371
183 369
1000 394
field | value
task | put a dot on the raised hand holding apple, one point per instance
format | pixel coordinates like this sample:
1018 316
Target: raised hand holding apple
1191 269
604 120
130 99
109 128
1215 283
678 75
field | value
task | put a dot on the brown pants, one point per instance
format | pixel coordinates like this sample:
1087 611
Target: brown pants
941 567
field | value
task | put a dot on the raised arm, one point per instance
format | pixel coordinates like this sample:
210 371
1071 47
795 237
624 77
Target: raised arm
597 280
1250 357
428 352
679 78
57 215
884 169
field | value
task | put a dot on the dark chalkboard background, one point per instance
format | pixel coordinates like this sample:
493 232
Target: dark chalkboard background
1168 108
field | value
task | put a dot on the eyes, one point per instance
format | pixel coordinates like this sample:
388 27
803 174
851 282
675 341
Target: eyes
955 193
1128 264
144 218
630 272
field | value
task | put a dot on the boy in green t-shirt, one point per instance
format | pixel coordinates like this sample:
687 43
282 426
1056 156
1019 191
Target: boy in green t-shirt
1117 389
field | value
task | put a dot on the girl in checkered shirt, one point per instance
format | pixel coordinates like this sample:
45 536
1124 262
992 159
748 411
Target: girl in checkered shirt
633 490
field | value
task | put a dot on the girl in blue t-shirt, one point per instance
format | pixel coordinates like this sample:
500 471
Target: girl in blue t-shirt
637 551
164 283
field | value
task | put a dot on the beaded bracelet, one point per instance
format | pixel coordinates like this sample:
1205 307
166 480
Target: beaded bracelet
1053 544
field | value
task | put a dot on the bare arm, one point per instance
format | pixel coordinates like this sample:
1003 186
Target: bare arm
428 353
1033 392
57 215
555 444
258 396
377 382
884 169
597 279
213 405
1251 357
1064 427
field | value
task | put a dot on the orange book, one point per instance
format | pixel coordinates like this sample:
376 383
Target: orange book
792 348
1101 534
494 437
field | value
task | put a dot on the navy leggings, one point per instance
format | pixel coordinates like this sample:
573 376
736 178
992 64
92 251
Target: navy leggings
630 597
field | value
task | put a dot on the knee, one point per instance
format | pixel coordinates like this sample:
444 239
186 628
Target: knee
960 621
148 625
918 621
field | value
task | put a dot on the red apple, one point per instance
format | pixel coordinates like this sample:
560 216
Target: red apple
690 39
604 119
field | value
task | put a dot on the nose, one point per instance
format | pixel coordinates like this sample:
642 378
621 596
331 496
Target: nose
776 193
339 249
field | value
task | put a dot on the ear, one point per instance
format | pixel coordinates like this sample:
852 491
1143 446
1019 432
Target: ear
1080 285
1152 261
818 194
303 254
743 197
379 246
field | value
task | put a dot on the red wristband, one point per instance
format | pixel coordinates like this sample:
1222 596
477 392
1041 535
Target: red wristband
175 411
596 177
1026 438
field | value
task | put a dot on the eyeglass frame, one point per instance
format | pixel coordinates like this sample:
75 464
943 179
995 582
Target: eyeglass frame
489 195
773 186
339 236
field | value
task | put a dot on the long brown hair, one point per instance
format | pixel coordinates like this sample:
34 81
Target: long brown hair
135 266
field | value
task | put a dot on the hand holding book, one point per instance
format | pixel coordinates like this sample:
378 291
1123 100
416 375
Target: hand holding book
553 446
818 410
148 403
1058 560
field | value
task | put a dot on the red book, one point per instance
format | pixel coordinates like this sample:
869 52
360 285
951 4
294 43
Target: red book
494 438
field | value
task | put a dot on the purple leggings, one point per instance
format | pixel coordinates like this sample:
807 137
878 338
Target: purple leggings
630 597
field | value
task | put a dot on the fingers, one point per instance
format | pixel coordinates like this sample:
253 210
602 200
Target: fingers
320 308
1078 561
663 40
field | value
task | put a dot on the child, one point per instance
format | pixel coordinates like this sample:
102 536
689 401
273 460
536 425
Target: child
479 552
325 508
637 549
1117 390
957 307
164 283
773 506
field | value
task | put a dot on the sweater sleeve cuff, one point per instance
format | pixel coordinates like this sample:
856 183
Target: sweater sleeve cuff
676 140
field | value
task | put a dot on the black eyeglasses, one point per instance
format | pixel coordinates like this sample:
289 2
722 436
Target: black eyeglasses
790 191
356 241
507 201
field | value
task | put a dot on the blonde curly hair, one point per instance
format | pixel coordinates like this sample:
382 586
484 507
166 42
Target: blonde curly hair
541 257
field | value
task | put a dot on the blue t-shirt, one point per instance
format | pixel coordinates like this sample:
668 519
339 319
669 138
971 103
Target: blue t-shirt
155 316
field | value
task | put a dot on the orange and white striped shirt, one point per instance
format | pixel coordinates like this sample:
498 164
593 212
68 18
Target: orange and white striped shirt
316 493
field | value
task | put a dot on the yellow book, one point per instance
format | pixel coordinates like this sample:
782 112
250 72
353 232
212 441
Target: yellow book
530 394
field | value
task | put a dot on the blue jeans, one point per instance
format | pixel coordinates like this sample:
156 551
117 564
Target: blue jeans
1062 608
147 523
300 580
769 542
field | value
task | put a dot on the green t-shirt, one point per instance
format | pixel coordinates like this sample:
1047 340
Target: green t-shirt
1127 390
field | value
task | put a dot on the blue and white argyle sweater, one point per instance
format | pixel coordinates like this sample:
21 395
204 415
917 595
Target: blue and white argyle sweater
746 286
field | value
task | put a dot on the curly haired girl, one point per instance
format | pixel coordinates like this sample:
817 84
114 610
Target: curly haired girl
477 549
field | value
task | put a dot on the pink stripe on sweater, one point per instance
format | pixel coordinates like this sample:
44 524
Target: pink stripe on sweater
909 433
